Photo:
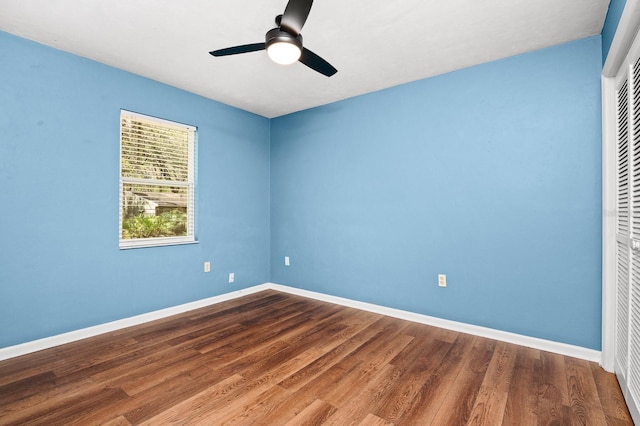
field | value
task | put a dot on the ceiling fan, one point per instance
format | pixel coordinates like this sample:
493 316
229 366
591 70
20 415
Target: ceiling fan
284 43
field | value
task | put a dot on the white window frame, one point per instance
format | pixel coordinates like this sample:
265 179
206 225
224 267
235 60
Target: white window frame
190 238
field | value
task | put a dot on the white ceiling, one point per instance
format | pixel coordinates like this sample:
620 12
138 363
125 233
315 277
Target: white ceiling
374 44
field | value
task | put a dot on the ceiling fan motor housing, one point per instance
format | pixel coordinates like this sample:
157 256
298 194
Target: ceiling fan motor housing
277 35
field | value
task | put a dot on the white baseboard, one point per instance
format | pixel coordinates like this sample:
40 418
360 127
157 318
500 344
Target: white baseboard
504 336
72 336
518 339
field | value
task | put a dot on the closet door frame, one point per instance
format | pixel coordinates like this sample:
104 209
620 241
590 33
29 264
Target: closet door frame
621 46
624 49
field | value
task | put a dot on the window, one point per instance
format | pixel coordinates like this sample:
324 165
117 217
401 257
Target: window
157 181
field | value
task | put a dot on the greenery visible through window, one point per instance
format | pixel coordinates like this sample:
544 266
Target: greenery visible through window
157 160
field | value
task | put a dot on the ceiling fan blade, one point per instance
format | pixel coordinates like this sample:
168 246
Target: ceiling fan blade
245 48
316 63
295 15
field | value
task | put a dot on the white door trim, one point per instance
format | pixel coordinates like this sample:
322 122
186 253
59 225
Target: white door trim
608 224
620 46
623 39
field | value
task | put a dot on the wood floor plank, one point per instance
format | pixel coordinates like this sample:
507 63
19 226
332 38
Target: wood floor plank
303 351
26 387
368 397
251 412
138 378
583 394
314 414
51 413
196 408
522 400
372 420
302 397
41 402
203 405
206 325
167 394
461 397
369 369
432 393
361 334
234 362
272 358
419 359
489 406
552 406
611 399
252 335
58 357
118 421
281 327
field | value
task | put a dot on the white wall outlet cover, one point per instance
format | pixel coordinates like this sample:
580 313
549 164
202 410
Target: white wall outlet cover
207 266
232 277
286 261
442 280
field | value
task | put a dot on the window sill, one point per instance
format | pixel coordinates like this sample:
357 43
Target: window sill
153 242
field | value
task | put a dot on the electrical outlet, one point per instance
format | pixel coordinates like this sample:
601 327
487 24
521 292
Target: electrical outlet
442 280
286 261
232 277
207 266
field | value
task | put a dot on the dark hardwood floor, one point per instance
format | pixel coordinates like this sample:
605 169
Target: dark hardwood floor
277 359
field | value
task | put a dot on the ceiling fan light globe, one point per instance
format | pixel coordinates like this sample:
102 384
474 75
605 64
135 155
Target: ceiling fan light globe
283 47
284 53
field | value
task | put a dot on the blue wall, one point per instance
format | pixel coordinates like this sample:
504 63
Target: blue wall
490 175
616 7
60 266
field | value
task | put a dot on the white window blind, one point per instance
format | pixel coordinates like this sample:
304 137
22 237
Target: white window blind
157 181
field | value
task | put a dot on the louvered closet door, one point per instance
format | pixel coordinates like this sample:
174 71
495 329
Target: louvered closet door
628 232
634 136
623 251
